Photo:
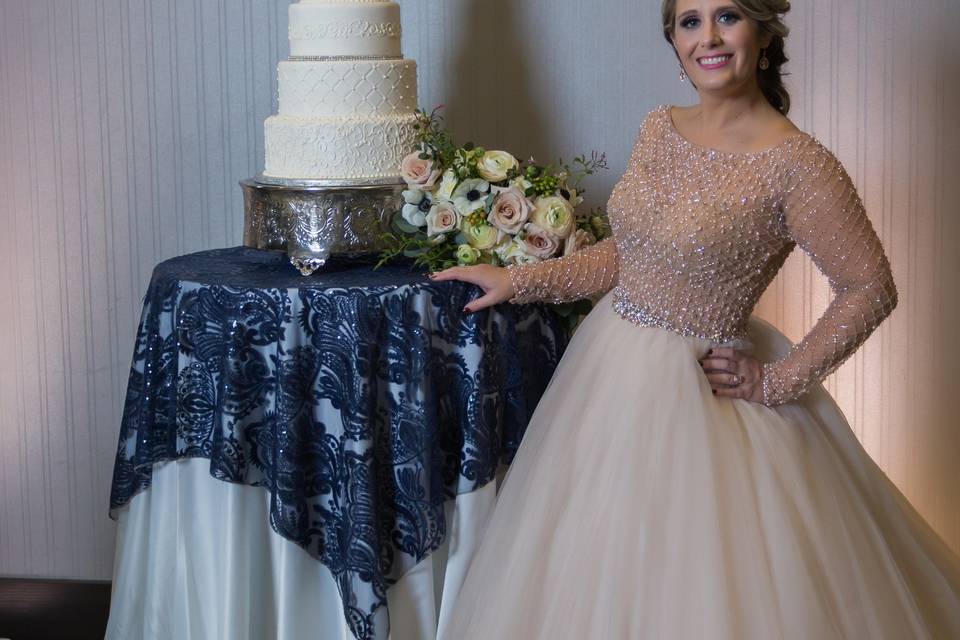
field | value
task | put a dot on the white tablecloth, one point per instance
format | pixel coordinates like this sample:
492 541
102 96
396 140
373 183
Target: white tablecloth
196 559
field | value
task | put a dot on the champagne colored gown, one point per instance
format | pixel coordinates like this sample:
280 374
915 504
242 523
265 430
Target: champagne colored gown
642 506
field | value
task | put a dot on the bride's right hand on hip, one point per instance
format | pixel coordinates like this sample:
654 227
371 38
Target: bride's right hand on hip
495 282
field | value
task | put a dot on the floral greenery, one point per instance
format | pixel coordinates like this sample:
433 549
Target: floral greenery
466 205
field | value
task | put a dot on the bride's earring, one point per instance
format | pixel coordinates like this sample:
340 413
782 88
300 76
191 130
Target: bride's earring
683 72
764 63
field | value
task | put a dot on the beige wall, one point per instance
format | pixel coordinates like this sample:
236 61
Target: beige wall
876 81
126 124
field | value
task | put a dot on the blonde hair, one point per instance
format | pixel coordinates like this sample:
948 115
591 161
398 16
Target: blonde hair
768 15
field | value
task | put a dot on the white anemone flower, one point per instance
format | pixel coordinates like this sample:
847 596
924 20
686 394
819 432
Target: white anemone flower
471 195
418 204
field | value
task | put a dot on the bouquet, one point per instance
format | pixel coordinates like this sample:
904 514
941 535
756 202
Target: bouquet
466 205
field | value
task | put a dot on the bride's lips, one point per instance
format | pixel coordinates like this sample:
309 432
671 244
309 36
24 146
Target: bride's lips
715 61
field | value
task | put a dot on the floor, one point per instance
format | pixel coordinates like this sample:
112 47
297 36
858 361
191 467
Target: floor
36 609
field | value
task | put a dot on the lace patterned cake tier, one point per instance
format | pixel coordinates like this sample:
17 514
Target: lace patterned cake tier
337 148
340 29
349 88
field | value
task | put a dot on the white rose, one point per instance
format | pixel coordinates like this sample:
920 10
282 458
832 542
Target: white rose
495 165
510 210
419 173
442 219
447 185
521 182
554 215
512 252
482 236
525 258
578 240
538 242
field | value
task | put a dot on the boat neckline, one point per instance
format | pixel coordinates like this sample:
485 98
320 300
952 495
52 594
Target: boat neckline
668 112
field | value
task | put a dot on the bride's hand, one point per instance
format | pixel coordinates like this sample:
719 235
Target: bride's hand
495 282
733 374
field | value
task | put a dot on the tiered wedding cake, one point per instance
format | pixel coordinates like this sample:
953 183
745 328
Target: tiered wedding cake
347 96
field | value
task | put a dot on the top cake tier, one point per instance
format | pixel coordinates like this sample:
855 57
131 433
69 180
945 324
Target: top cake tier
338 29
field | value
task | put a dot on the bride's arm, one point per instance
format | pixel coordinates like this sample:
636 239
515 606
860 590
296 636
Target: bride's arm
587 272
824 215
579 275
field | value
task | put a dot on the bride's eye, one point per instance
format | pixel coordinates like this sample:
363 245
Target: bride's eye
690 22
728 17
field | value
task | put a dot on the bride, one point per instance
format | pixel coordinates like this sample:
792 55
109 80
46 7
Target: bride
680 477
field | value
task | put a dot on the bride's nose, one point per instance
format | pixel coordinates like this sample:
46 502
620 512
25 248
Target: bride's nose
711 35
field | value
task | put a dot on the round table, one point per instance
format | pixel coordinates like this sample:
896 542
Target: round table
360 414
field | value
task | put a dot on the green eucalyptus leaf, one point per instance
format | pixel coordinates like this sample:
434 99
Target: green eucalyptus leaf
405 226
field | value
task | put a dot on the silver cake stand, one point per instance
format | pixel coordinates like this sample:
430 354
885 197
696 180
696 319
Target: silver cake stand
313 220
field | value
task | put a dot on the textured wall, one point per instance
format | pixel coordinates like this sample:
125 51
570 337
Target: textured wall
126 124
876 81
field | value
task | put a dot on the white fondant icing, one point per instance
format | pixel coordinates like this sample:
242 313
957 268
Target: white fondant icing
348 88
343 115
336 29
337 148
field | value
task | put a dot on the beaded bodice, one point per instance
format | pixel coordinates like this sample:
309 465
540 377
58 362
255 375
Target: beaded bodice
699 234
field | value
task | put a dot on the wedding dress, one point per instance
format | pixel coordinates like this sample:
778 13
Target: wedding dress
640 505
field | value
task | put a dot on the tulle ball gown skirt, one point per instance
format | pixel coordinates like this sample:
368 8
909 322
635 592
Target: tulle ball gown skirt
641 506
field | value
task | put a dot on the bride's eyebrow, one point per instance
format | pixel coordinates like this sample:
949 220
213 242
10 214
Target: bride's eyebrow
717 11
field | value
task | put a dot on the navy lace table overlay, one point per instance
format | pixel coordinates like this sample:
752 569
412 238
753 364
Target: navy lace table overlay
361 400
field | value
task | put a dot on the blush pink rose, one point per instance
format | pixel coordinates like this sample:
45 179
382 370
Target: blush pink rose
419 173
443 218
510 210
538 242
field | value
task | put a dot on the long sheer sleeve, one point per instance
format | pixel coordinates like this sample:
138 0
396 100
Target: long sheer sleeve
583 274
824 215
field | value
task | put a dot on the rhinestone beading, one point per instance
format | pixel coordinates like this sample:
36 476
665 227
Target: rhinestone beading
699 234
645 318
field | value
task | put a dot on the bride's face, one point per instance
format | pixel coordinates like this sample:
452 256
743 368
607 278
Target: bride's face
719 46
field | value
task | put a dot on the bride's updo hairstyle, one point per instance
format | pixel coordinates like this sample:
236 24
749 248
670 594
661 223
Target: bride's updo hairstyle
768 15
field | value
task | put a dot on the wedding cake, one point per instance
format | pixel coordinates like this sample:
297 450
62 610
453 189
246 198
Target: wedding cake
346 95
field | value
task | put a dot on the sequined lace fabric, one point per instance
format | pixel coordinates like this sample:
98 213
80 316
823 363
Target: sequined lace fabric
699 234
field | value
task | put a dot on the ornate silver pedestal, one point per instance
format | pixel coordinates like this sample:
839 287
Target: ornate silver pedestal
314 219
